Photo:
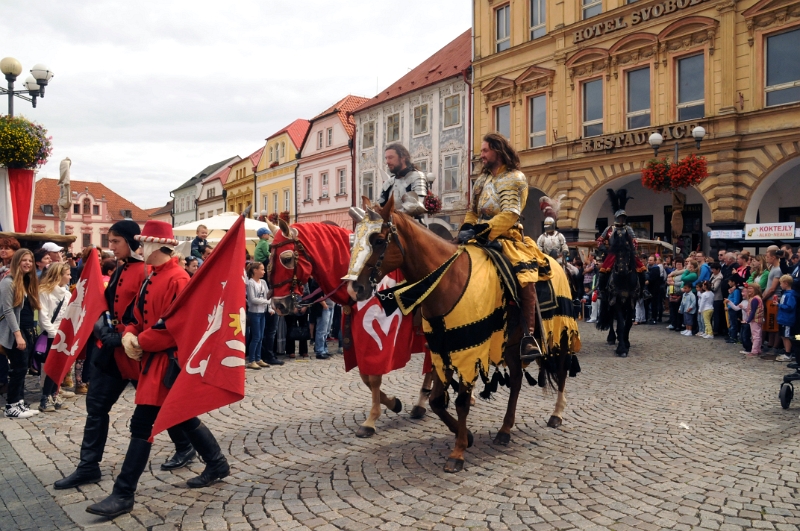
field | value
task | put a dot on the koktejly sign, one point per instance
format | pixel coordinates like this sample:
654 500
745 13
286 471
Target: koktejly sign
637 17
636 138
769 231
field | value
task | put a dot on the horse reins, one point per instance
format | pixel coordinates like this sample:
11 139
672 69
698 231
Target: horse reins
373 275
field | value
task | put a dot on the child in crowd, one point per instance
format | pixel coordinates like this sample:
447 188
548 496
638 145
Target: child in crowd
688 308
754 320
705 309
787 310
586 302
732 303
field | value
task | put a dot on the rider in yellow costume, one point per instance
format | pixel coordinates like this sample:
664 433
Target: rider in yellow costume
499 196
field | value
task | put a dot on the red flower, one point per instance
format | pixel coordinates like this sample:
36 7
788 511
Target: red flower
655 175
432 203
284 216
273 218
661 176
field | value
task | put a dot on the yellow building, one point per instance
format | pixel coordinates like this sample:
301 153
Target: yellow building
276 171
240 184
578 86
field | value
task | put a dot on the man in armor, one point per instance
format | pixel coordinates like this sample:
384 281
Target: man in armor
405 178
552 242
499 196
617 237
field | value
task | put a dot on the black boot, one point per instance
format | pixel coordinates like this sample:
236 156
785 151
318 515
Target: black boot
208 448
121 499
184 451
529 350
95 433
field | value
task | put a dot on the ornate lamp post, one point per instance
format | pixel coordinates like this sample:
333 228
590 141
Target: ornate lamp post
34 84
655 140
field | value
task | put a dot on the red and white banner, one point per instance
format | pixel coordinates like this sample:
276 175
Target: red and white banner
86 305
16 199
207 321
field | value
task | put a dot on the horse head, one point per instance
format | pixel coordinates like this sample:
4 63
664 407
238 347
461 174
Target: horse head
372 256
289 269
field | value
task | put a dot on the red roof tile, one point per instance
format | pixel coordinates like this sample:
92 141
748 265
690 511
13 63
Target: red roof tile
256 156
450 61
344 106
297 131
166 209
222 175
47 192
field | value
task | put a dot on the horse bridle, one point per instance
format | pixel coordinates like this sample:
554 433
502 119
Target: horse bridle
390 236
295 283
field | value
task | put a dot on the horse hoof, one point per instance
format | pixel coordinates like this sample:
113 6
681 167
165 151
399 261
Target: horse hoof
453 465
470 439
502 438
398 406
611 342
623 355
417 412
365 432
554 422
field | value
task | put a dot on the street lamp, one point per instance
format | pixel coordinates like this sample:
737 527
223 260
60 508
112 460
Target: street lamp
655 140
34 84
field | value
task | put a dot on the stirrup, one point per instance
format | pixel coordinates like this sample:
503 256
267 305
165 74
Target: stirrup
534 354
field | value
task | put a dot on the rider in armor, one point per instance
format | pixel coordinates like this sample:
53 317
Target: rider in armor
552 242
405 178
616 238
499 196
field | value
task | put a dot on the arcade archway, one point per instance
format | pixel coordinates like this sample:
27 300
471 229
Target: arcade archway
775 198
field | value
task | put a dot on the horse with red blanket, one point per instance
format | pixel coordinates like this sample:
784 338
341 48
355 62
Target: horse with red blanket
375 343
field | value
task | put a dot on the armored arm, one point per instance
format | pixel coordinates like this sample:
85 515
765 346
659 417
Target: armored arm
512 191
415 191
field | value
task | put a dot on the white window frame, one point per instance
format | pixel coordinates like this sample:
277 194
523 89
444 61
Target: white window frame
633 114
591 4
585 123
319 139
679 106
368 177
395 121
309 188
502 40
275 202
510 126
286 199
418 119
283 149
368 133
534 6
533 134
323 178
329 136
782 86
422 165
457 106
270 154
451 173
342 173
265 202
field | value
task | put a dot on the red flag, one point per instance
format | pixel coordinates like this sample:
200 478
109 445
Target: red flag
211 355
86 305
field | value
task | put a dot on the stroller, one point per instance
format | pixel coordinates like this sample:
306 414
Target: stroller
787 388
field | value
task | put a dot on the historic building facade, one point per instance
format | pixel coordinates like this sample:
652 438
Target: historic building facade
211 198
184 197
579 86
324 185
429 111
276 171
240 184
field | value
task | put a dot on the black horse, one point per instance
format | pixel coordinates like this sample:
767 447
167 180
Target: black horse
618 305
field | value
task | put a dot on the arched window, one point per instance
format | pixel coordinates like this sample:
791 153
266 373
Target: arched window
283 149
87 206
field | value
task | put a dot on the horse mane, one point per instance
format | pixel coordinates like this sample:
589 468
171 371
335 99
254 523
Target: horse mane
329 248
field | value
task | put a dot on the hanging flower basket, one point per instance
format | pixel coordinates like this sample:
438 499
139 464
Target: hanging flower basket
23 144
273 218
284 216
661 176
655 175
432 203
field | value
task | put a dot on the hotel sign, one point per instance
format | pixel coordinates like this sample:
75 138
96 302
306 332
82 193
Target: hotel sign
769 231
637 17
636 138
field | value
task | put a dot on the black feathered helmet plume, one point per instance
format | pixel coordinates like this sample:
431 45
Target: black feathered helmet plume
618 201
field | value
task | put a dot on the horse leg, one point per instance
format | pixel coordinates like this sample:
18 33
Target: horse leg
611 338
373 382
514 363
438 403
464 438
622 326
557 417
418 411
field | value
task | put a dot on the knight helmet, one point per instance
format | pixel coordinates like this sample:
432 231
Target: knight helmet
618 201
549 224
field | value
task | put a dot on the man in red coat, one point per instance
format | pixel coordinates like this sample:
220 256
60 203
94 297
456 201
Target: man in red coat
114 369
147 341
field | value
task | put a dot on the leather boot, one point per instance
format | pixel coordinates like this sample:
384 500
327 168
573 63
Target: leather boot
529 351
122 495
184 451
208 448
95 433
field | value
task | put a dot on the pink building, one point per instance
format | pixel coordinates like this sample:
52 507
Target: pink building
325 172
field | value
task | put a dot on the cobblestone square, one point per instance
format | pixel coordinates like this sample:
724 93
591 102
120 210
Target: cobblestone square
683 434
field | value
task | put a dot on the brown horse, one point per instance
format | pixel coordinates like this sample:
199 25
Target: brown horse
389 239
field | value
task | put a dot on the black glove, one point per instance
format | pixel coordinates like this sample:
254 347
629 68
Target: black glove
466 235
108 336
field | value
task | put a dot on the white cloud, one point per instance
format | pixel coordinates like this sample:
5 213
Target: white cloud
148 93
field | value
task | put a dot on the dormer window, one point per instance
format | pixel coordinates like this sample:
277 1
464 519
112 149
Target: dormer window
47 209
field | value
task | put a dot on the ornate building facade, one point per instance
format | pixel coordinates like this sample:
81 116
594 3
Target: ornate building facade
579 86
276 171
240 183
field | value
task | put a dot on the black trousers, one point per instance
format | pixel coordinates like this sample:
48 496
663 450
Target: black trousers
145 416
720 328
291 321
18 366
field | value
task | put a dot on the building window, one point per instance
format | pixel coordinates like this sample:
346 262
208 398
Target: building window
420 120
538 19
324 184
502 120
342 182
202 215
283 150
368 136
86 240
393 127
450 168
211 192
691 87
210 213
309 188
87 207
104 241
538 121
592 8
368 185
95 210
47 210
452 110
638 112
329 140
286 200
421 165
319 139
275 202
219 211
265 202
783 68
270 154
76 209
593 108
502 28
127 214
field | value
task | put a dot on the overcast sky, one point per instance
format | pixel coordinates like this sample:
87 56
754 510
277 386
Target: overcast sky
148 93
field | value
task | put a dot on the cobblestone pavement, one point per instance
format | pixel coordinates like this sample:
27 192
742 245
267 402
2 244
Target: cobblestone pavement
683 434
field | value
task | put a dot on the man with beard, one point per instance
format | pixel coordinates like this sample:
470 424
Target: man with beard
405 178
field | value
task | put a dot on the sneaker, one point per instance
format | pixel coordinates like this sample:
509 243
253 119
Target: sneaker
46 405
686 333
670 327
65 394
591 321
743 352
783 357
59 403
18 410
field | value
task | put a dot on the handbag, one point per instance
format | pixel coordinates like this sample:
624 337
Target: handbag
40 346
299 333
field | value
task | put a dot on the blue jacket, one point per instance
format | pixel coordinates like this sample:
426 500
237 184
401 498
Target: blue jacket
787 308
705 274
688 301
735 297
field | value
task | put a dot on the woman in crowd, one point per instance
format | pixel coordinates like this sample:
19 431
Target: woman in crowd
674 284
257 305
19 297
8 246
43 260
743 264
107 269
753 319
53 301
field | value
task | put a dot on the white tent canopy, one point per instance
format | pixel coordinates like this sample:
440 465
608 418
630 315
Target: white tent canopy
221 222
